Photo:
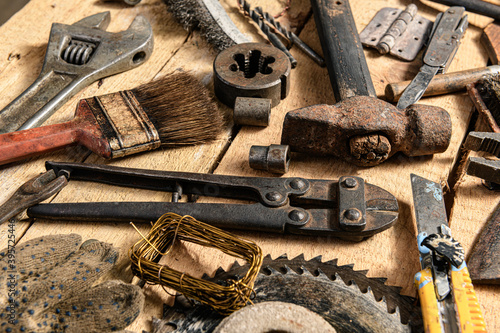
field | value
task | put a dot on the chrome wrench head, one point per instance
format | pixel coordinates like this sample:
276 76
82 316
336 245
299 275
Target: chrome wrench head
76 56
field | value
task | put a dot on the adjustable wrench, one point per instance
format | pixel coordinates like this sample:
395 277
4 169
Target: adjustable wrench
76 56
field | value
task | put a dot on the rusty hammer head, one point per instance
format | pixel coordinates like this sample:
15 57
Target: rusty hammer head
366 131
360 128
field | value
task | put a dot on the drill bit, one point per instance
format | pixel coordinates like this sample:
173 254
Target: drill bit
292 37
256 16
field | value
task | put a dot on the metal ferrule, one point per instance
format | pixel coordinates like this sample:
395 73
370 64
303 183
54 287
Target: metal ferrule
124 123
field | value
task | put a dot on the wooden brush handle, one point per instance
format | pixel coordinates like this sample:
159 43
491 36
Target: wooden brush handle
15 146
84 129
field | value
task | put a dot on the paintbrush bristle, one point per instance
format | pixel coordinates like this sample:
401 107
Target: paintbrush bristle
181 109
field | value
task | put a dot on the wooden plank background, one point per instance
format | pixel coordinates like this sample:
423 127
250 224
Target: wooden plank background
392 254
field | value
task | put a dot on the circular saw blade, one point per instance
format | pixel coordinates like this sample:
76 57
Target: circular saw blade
347 299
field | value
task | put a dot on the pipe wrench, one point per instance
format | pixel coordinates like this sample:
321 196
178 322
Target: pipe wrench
76 56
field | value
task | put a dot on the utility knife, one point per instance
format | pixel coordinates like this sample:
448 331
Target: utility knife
447 31
447 297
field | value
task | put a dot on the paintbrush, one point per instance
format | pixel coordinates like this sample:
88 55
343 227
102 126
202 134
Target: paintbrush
174 110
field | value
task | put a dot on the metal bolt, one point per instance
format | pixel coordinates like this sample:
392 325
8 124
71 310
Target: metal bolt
64 173
297 215
274 158
352 214
274 196
252 111
297 184
350 182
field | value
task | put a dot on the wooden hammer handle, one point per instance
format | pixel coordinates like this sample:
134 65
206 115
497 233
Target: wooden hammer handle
443 83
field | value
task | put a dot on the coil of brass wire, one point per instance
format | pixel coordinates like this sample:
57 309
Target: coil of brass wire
170 228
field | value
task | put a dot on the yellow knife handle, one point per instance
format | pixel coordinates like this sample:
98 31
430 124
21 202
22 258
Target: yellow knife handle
469 312
428 301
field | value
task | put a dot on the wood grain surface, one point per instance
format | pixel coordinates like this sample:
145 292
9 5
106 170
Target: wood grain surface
391 254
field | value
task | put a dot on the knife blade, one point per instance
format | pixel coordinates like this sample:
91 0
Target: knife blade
444 41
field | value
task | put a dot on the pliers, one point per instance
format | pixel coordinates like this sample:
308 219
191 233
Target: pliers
487 169
34 191
349 208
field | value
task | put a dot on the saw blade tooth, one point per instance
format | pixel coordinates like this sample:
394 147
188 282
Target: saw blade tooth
333 262
284 256
318 259
299 257
325 274
322 274
380 279
369 291
271 270
337 277
397 289
288 270
221 270
364 271
205 276
348 265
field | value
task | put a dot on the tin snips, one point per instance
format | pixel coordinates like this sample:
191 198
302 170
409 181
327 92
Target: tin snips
348 208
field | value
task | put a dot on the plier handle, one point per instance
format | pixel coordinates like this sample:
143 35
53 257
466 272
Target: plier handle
35 190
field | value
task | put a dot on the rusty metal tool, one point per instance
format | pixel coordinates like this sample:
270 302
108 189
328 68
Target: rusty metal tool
447 31
443 83
402 33
475 6
76 56
263 18
484 258
257 16
242 68
272 158
490 38
348 208
338 293
487 169
252 111
360 128
485 94
34 191
447 297
251 70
